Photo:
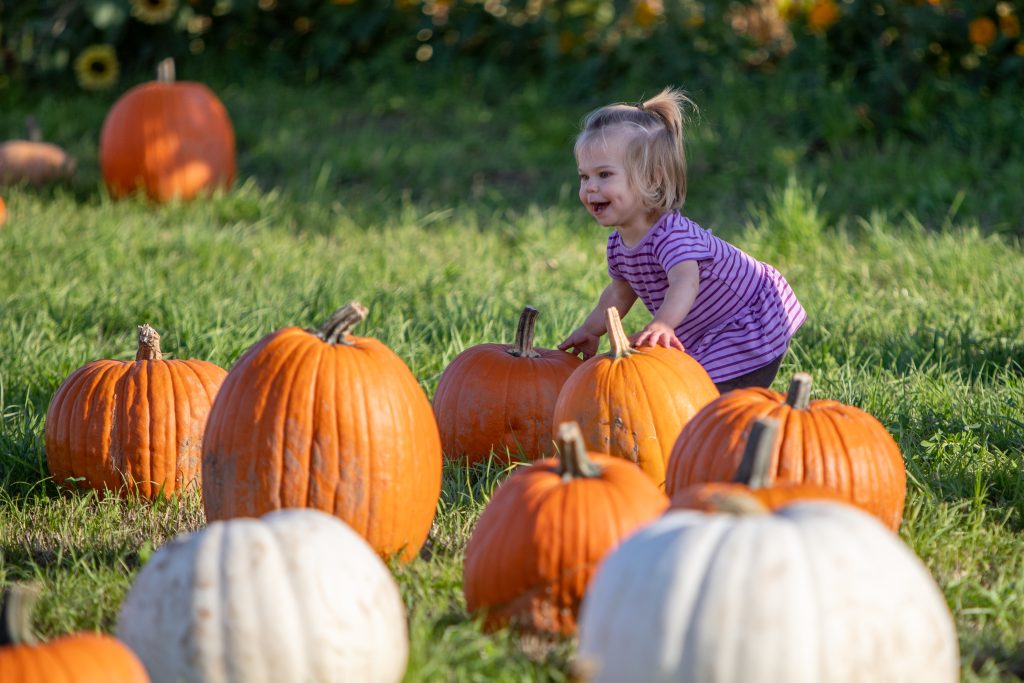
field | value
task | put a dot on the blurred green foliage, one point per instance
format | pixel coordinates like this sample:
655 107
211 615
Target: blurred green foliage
885 63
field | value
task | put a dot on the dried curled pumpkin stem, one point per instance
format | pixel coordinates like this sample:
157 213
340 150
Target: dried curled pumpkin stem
755 469
342 322
799 395
149 344
165 70
572 453
523 347
16 615
616 334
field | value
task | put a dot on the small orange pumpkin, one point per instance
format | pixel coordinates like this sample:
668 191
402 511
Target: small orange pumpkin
77 658
545 529
495 397
3 211
172 139
326 420
753 477
632 403
822 442
137 423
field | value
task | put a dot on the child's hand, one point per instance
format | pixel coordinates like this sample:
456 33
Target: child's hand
580 343
657 334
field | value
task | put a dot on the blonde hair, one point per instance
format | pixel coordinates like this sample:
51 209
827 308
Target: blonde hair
655 158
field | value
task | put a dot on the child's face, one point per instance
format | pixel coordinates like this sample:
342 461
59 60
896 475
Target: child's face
604 183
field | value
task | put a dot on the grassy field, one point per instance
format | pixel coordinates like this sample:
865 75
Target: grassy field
445 216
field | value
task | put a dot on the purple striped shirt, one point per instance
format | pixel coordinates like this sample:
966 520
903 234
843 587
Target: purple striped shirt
745 312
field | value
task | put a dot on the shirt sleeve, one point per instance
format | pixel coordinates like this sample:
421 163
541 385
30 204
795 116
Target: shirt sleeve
611 253
685 241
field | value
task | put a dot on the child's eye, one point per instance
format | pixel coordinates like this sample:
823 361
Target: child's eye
605 174
583 178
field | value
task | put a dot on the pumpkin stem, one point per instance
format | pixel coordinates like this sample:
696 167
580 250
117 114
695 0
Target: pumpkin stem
616 334
342 321
755 468
799 395
149 344
165 70
35 133
523 347
16 615
572 454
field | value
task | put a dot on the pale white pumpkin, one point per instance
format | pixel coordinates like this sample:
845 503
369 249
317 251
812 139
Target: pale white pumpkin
294 596
815 593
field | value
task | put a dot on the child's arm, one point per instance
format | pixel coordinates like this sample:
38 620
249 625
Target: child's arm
584 339
683 283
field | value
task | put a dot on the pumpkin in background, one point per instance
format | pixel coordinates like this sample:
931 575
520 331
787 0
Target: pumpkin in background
137 423
496 397
3 211
293 596
172 139
326 420
817 592
632 403
83 657
753 477
541 536
822 442
33 161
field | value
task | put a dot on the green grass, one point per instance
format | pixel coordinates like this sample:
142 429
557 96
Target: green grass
445 216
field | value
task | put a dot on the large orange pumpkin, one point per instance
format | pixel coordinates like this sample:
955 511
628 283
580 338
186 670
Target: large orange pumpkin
77 658
137 423
326 420
753 477
172 139
545 529
496 397
822 442
632 403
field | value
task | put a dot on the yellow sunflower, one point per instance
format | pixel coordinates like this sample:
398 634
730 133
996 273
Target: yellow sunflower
97 67
154 11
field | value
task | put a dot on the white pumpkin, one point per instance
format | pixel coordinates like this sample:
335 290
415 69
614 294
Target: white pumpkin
295 595
814 593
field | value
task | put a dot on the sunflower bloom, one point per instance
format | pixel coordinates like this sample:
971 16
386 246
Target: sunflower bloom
154 11
823 14
97 68
982 32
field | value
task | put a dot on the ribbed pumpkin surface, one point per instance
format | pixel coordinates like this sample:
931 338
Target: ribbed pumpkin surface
541 536
137 422
826 443
632 403
501 397
344 428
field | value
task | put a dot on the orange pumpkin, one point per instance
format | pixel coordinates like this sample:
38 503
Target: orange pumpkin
77 658
174 140
326 420
3 211
137 423
632 403
822 442
545 529
753 477
496 397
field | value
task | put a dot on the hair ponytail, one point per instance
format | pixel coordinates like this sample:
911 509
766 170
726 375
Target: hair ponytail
656 157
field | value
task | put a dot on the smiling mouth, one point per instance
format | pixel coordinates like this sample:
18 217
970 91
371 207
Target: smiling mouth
598 207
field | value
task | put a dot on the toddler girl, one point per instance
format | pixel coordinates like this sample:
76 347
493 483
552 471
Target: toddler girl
735 315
